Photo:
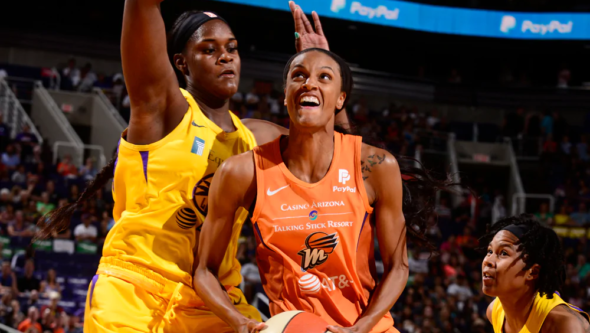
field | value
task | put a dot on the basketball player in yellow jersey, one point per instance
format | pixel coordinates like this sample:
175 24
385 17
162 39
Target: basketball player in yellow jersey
176 140
524 269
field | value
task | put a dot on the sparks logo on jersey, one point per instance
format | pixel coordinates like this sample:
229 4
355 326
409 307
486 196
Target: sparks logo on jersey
198 146
343 176
313 215
318 246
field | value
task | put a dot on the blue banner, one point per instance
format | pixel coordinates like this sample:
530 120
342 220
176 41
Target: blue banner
447 20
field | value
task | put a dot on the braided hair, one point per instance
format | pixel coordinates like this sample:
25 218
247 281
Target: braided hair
539 245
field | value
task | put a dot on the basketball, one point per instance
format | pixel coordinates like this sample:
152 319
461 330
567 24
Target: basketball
295 322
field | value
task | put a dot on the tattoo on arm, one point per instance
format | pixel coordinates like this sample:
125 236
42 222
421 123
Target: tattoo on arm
371 161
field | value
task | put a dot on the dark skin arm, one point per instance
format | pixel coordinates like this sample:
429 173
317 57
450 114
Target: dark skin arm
157 105
237 173
564 319
383 184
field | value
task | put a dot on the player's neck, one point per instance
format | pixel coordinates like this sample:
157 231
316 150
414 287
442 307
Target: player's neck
308 155
517 308
216 109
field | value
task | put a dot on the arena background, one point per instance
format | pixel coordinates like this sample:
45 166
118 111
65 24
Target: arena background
508 117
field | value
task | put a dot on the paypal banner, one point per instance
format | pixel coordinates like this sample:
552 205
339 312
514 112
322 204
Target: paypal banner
447 20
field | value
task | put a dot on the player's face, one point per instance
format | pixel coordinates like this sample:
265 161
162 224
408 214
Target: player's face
313 90
212 60
503 268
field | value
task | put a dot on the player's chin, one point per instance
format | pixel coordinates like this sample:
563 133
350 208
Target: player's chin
226 89
489 291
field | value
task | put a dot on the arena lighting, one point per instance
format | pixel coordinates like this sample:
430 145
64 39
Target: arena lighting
446 20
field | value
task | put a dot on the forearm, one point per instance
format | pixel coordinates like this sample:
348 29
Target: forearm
386 294
209 290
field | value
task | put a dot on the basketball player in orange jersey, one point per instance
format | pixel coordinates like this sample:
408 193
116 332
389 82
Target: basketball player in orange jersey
524 268
316 198
180 131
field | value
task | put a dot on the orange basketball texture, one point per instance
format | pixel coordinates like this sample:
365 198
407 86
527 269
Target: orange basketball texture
295 322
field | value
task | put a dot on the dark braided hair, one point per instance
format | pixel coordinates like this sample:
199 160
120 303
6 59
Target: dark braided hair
419 185
539 245
59 219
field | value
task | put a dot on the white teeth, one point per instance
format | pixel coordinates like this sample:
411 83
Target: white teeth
309 99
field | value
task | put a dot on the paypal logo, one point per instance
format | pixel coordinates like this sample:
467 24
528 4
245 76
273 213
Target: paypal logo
337 5
380 11
508 22
553 26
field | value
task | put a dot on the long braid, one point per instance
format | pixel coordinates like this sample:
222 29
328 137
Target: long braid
59 219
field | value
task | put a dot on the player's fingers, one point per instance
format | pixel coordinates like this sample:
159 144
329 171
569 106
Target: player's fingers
317 23
306 23
334 329
297 17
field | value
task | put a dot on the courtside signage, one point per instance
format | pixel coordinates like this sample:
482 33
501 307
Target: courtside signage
447 20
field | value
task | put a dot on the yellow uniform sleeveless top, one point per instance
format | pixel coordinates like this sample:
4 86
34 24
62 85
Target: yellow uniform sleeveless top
541 308
160 193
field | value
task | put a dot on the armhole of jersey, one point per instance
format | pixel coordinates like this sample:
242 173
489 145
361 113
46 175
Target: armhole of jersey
358 173
259 177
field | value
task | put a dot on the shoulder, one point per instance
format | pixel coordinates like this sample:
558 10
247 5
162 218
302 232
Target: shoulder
377 156
380 172
264 131
237 169
563 319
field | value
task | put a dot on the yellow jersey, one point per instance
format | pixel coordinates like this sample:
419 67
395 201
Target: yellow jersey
160 193
541 308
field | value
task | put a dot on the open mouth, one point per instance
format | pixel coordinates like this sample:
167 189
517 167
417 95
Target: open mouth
309 101
487 276
227 73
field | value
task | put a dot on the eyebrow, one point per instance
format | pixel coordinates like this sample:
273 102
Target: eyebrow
215 40
328 67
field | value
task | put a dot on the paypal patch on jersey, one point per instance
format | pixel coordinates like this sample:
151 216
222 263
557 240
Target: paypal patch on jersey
446 20
198 146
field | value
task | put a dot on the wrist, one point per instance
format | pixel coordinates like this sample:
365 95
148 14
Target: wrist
364 325
238 321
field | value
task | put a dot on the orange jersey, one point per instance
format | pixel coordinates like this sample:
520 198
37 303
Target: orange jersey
315 241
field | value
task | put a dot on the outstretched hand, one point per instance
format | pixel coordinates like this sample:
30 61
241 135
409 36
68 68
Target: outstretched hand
308 38
338 329
251 326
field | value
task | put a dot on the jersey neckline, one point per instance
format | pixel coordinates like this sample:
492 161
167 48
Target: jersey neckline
333 165
210 123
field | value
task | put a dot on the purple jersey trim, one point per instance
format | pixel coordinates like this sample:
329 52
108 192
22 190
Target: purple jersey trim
144 159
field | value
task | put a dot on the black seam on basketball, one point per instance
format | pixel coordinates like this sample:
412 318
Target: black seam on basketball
287 324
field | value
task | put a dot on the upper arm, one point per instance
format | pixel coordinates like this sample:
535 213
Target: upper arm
264 131
384 188
489 311
564 319
156 102
233 186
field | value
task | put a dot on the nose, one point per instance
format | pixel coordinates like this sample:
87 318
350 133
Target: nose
225 58
488 262
310 84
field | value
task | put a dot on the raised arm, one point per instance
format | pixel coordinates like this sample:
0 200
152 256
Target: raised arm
384 188
157 106
232 187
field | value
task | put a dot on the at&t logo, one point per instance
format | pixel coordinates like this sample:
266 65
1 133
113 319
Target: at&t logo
313 215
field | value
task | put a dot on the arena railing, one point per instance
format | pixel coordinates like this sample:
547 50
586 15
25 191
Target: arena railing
98 149
260 298
6 329
112 111
14 113
519 201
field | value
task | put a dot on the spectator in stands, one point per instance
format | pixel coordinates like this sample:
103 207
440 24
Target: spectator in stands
86 231
498 210
28 282
7 279
550 146
31 321
10 158
70 76
566 145
73 325
4 133
117 91
17 315
582 148
26 138
7 217
3 74
30 213
102 82
514 123
582 267
50 284
53 307
544 215
563 76
74 193
581 217
562 217
66 168
19 228
547 124
460 288
19 176
88 171
66 233
50 189
87 78
47 319
45 206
